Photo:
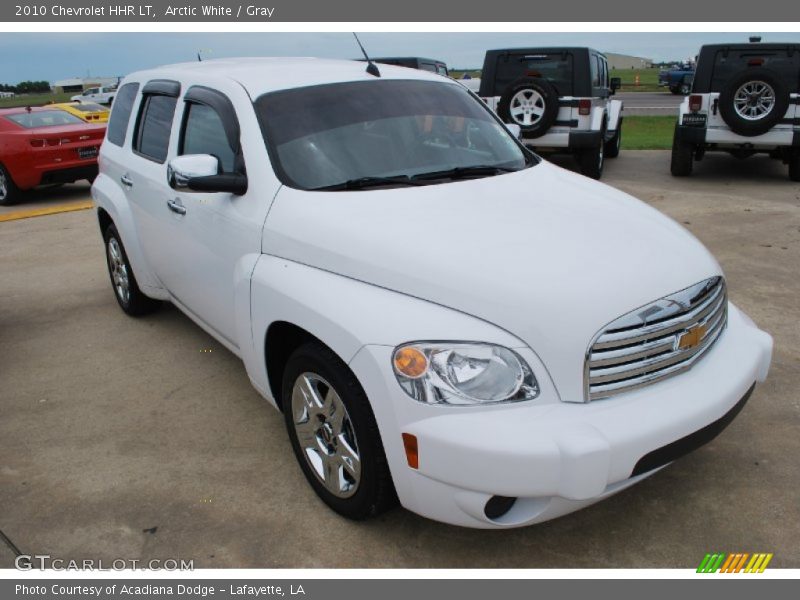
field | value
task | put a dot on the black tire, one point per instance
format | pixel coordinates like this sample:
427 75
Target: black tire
549 99
674 89
794 166
134 303
9 192
763 124
613 145
682 157
592 160
374 491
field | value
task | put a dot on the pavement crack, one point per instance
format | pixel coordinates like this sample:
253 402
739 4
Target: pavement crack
10 544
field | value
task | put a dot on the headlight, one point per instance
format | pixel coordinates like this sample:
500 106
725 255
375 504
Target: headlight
455 373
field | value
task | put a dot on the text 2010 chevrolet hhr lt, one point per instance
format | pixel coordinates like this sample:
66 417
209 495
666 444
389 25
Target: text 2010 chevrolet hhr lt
444 318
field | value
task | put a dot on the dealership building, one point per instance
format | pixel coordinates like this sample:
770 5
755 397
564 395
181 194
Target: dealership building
623 61
78 84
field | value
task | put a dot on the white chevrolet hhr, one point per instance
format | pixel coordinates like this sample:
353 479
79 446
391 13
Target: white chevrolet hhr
444 318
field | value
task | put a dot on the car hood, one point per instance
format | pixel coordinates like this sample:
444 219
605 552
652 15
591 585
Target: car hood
547 255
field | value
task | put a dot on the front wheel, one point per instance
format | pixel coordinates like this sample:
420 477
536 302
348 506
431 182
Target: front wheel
684 89
334 434
9 192
126 290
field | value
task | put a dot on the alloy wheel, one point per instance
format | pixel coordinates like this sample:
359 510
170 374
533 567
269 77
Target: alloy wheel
527 107
119 271
754 100
326 435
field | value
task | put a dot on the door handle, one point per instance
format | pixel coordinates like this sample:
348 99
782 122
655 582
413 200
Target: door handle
176 207
126 180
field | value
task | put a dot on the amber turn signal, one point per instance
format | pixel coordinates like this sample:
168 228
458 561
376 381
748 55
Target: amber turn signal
412 450
411 362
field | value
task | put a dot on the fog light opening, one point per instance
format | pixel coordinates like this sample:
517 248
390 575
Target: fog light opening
497 506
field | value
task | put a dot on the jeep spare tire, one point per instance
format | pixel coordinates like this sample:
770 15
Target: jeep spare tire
531 103
754 101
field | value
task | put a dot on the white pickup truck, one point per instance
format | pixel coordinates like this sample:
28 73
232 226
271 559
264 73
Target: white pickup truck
99 95
443 318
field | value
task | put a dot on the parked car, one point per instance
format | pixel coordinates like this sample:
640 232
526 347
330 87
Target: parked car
41 146
678 79
98 95
745 100
85 111
442 317
415 62
560 98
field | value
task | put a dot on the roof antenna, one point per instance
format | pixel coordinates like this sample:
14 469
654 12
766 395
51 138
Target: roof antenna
372 68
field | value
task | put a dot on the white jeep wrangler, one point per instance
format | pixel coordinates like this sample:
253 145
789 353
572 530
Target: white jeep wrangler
744 101
561 100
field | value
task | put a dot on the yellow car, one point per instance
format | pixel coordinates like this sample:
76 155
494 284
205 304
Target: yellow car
87 111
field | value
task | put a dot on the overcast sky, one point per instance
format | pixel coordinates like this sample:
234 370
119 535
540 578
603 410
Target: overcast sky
53 56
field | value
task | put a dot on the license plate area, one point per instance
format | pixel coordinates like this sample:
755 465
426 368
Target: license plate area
695 119
87 153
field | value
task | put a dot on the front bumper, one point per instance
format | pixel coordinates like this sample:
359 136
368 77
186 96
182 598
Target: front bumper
554 457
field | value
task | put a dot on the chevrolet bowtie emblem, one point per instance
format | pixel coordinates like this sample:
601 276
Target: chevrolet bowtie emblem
691 337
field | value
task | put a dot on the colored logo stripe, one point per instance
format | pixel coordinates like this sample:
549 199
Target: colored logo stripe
734 563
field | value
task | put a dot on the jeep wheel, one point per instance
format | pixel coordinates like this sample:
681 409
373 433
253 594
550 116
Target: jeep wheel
794 166
532 104
591 161
613 145
753 102
9 193
682 157
334 434
684 89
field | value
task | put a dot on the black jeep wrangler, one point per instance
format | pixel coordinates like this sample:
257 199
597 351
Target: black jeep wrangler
560 98
745 100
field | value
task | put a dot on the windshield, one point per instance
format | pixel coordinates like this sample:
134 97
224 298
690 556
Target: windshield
327 135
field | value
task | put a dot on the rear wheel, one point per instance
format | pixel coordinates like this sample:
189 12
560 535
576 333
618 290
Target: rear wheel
682 158
9 192
126 290
613 145
592 160
334 434
794 166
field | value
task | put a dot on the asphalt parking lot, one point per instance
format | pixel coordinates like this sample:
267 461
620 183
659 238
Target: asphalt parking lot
140 439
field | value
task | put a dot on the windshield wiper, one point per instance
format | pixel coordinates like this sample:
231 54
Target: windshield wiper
364 182
463 172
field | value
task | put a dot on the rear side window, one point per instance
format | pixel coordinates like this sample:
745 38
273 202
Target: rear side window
155 123
204 133
121 113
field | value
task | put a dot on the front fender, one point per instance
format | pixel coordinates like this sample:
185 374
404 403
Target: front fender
347 314
111 198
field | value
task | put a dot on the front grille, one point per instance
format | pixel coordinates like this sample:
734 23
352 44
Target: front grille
656 341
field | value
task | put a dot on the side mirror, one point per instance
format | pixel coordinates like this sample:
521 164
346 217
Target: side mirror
514 129
201 173
616 83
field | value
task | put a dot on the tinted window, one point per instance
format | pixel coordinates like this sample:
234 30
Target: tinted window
554 67
121 113
441 69
44 118
428 67
155 123
204 133
728 64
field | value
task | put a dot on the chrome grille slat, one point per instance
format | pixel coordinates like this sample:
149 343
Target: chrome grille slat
663 329
624 357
